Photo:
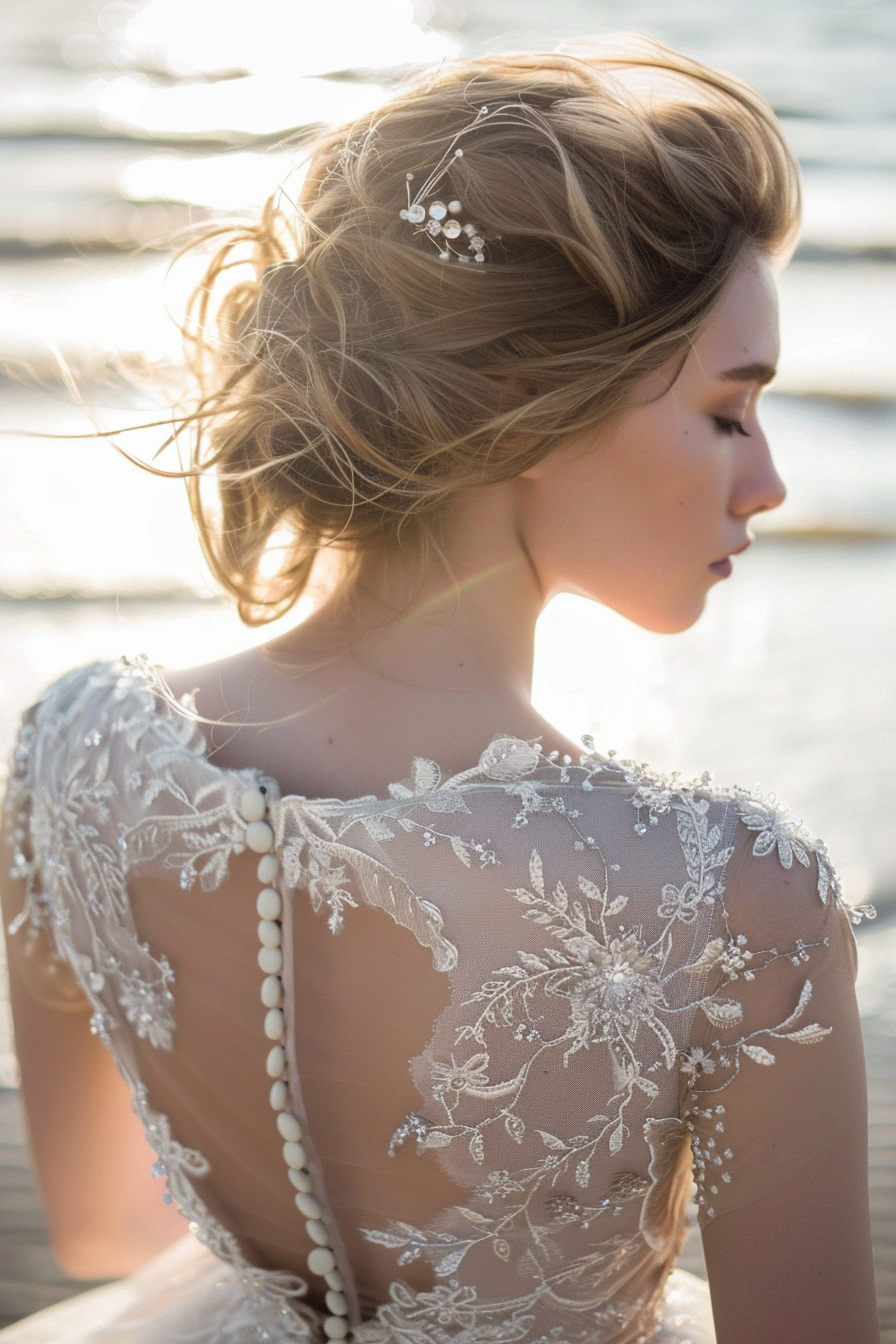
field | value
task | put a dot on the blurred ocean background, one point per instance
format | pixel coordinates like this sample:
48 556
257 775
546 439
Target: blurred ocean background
125 121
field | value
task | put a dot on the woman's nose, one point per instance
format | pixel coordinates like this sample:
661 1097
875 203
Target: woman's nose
760 487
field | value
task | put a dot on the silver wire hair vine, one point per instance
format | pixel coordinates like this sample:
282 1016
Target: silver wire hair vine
438 221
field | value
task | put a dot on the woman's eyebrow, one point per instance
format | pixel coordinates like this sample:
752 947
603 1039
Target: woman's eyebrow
749 373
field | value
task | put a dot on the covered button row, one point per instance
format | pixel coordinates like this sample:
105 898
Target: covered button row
269 905
321 1259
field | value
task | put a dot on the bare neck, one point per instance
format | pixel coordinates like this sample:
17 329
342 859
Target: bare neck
428 659
462 621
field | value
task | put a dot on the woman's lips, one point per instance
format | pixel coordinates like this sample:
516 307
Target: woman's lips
722 568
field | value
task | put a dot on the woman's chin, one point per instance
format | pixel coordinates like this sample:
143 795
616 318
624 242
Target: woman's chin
671 620
669 615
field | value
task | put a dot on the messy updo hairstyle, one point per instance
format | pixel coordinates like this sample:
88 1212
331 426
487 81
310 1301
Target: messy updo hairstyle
350 381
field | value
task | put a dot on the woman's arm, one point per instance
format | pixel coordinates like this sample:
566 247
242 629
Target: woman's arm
795 1265
104 1211
789 1250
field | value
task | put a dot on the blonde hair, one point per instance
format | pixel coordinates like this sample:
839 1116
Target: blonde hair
351 381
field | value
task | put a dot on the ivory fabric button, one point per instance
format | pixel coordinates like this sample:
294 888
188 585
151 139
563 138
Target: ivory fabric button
294 1155
269 905
272 992
289 1127
317 1232
253 805
259 837
274 1024
308 1206
276 1061
270 959
279 1095
321 1260
301 1179
336 1303
334 1280
336 1327
268 867
269 934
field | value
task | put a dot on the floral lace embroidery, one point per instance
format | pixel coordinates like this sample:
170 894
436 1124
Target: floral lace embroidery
616 985
779 830
454 1313
587 985
76 888
614 988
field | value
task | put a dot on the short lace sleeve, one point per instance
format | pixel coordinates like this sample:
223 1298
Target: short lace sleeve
47 977
782 1042
107 782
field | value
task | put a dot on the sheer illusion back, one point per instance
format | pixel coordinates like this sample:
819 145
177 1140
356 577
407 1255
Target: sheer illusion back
505 1018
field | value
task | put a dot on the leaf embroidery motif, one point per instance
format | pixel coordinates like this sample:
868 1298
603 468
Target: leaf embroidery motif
759 1053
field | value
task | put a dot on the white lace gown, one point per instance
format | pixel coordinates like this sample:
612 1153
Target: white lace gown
607 951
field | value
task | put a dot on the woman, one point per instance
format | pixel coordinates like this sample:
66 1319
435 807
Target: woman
509 343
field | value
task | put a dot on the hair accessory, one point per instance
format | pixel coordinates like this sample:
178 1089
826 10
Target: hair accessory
439 220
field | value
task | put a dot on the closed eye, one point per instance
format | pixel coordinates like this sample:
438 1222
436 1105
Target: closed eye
730 426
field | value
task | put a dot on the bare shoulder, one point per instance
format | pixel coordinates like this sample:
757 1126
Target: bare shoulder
329 727
221 687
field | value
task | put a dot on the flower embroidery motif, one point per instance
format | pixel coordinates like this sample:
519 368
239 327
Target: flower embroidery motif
681 903
777 830
450 1305
697 1062
612 988
458 1078
447 1315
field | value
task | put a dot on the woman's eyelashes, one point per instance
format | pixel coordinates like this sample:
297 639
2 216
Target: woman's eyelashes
728 426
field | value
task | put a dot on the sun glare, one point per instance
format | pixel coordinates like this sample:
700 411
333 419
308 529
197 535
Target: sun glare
281 38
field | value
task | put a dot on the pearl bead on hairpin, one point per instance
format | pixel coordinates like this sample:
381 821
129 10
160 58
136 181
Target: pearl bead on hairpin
438 220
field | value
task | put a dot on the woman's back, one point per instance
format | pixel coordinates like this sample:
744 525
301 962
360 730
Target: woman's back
548 951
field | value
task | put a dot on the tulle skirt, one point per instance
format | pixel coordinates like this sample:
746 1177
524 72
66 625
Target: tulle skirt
187 1296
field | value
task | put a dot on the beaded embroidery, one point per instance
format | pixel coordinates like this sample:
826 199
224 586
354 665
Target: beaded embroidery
583 985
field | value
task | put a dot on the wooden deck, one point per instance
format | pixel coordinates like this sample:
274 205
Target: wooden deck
30 1278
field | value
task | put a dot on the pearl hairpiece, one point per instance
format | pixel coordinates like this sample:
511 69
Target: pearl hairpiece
439 221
